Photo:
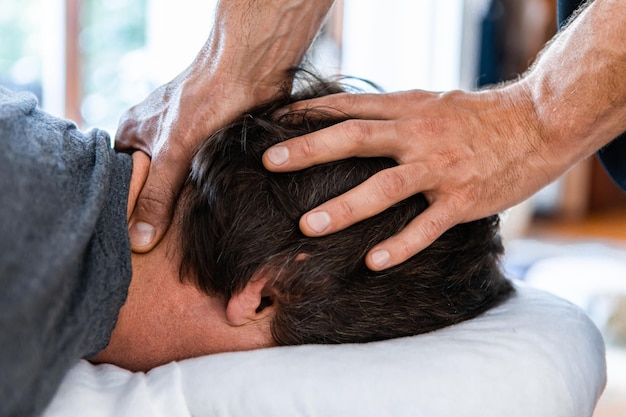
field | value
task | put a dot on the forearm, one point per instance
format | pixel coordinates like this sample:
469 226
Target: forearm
254 43
578 87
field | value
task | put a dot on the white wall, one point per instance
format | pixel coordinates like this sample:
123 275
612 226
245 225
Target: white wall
404 44
176 32
400 44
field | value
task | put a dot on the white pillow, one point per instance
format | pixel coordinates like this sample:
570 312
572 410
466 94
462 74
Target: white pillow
535 355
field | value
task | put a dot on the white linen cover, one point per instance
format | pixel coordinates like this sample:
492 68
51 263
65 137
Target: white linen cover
536 355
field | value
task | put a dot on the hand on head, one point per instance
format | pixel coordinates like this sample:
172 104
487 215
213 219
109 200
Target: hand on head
472 154
248 59
169 129
455 148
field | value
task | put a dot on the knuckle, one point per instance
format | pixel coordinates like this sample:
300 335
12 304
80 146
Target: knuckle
307 146
155 205
433 224
346 210
340 102
409 129
348 101
123 136
433 127
431 231
356 131
390 184
427 127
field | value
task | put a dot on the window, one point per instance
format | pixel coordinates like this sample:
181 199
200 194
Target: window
90 60
113 72
21 35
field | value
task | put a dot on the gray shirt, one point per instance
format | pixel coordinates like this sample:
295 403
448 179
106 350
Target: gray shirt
64 249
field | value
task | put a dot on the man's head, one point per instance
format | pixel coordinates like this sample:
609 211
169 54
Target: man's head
249 278
240 223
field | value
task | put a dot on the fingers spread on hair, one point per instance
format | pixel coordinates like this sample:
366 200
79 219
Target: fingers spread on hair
415 237
351 138
373 196
356 106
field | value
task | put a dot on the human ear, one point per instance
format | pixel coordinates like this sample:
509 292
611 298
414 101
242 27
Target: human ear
253 303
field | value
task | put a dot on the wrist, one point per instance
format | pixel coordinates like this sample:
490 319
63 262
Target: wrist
544 134
253 48
512 114
230 85
576 83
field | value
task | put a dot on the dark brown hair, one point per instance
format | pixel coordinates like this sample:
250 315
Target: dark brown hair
238 219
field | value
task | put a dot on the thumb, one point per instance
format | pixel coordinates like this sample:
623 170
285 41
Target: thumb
153 211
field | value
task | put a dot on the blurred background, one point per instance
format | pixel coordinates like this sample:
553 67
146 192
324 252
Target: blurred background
90 60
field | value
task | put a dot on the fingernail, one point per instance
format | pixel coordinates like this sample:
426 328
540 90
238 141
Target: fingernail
141 234
278 155
380 258
318 221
